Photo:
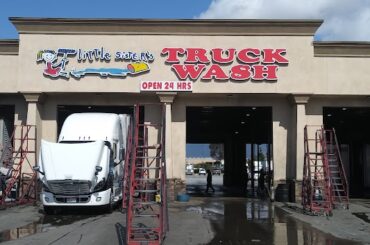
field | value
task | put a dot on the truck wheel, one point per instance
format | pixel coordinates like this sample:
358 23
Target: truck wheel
49 210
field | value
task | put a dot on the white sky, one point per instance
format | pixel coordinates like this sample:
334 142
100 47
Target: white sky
344 20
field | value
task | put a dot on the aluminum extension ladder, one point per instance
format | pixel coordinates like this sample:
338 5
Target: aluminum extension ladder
146 192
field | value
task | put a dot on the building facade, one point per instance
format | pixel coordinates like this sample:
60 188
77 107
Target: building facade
226 68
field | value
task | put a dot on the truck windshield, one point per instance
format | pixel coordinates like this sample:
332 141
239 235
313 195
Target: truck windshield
106 143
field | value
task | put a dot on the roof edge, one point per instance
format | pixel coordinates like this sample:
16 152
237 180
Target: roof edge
9 46
341 49
166 26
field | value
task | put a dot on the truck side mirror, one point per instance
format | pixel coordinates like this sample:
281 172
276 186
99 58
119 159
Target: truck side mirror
119 157
116 161
98 169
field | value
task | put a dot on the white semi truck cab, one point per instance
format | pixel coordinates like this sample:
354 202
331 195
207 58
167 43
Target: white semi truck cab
85 167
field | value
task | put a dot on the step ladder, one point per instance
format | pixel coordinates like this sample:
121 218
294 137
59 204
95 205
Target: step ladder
316 190
21 179
338 179
147 212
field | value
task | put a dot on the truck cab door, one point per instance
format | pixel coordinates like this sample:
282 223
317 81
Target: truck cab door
118 168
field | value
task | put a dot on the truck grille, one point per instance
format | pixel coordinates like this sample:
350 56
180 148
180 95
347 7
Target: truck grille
68 199
69 187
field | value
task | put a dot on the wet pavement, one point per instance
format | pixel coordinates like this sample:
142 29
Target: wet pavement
238 218
252 221
206 219
364 216
19 232
47 223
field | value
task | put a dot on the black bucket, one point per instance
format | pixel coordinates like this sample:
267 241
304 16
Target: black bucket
282 193
291 190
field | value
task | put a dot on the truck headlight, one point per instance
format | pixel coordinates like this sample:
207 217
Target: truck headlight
100 185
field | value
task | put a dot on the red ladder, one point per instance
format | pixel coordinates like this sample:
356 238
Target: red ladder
23 148
316 190
29 188
338 179
147 213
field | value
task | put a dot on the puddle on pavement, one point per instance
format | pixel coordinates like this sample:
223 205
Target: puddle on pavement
46 223
251 221
363 216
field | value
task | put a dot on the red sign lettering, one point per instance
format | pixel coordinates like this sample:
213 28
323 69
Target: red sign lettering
195 55
249 63
172 54
274 56
249 55
191 71
240 72
218 52
216 72
265 72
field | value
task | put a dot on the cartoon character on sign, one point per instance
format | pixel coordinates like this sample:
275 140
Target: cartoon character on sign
53 69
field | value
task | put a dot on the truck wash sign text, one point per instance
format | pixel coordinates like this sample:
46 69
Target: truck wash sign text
251 63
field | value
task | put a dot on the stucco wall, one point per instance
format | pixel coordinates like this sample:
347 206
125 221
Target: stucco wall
9 73
304 73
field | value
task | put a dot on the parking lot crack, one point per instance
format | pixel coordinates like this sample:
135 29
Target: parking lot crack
80 239
59 238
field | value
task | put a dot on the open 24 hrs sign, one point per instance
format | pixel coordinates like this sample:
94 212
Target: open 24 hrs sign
171 86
